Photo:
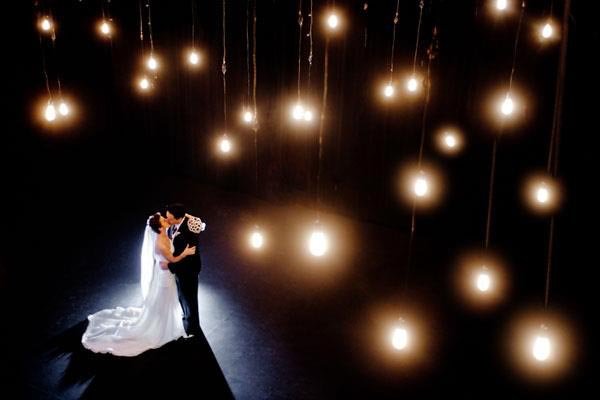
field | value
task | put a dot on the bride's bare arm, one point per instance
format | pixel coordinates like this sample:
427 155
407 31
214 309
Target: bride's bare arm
166 253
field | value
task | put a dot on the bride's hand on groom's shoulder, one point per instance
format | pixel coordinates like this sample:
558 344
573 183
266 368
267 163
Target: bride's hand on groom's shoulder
195 224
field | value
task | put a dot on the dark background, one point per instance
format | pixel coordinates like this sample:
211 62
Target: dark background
125 146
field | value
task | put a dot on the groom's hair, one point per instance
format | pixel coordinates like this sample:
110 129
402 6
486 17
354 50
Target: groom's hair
154 222
177 209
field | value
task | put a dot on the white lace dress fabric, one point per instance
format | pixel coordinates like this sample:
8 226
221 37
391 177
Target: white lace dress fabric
132 330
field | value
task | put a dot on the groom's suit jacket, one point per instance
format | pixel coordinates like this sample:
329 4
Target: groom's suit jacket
187 234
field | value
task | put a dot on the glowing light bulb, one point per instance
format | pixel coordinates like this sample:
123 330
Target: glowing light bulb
318 243
63 109
501 4
547 31
388 91
193 58
144 83
256 239
105 28
421 186
483 281
308 115
50 112
333 21
400 338
508 106
450 140
46 24
542 194
225 145
298 112
412 84
248 117
541 348
152 63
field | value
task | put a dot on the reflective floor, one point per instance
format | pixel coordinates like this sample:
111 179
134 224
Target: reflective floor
277 323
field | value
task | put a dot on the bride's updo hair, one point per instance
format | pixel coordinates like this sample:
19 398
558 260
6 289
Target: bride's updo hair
154 222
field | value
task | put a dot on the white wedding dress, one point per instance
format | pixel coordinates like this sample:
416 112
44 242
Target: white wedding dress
133 330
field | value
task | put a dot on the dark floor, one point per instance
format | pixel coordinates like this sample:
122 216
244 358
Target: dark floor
277 324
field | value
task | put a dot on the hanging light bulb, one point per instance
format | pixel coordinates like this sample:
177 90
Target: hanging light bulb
257 239
507 106
547 31
152 63
144 83
298 111
308 115
193 58
542 193
449 141
421 186
45 24
50 112
542 347
388 90
247 116
318 243
501 5
544 343
400 337
483 281
333 21
225 145
412 84
63 108
105 28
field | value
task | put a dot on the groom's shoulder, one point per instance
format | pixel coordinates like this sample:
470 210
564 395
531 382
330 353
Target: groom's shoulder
194 224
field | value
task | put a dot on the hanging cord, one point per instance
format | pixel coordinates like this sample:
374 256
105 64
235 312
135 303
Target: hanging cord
224 71
193 4
150 28
322 125
310 38
430 58
141 28
393 40
56 58
488 223
421 5
44 69
255 126
555 137
514 60
300 22
366 30
248 50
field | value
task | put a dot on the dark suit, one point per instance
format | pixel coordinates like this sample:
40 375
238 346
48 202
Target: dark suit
186 271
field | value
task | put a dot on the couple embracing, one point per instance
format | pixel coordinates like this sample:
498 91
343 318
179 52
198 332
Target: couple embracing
170 265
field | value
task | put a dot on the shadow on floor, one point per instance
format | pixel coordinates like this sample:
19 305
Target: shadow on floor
182 367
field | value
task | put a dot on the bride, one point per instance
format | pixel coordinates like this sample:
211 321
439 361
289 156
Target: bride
133 330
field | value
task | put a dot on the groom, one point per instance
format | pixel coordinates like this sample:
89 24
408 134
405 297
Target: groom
185 230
